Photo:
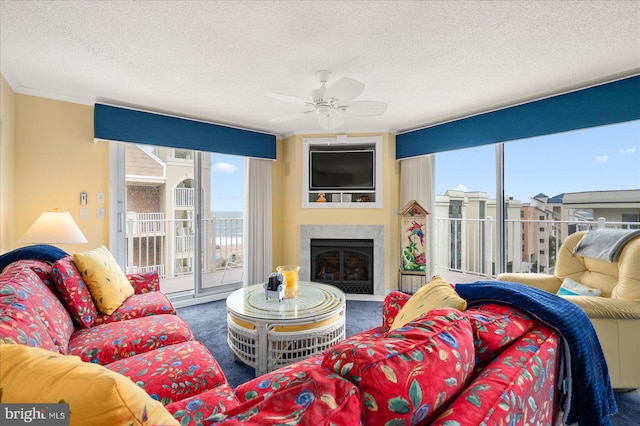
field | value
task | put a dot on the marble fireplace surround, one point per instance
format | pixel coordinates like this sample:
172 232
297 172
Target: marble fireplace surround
375 232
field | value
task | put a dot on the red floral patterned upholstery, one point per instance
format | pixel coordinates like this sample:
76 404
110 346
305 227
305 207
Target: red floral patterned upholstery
198 409
40 301
138 306
408 376
106 343
518 387
393 302
277 379
73 292
40 267
307 395
18 317
494 327
144 282
188 367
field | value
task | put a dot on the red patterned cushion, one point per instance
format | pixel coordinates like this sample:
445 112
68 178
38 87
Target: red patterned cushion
494 327
275 380
174 372
106 343
316 397
19 320
40 267
518 387
144 282
197 409
40 300
393 302
138 306
407 376
73 292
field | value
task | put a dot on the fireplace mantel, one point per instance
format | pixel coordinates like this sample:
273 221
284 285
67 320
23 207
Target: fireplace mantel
375 232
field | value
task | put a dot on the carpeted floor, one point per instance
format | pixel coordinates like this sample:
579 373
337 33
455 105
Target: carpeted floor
209 325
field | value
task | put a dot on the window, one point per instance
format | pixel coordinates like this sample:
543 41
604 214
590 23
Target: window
540 190
538 173
633 219
465 210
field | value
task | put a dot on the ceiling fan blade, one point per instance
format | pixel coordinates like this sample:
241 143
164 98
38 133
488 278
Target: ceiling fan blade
289 98
362 108
289 117
330 121
344 89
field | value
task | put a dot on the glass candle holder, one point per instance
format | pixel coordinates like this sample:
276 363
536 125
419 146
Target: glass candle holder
290 273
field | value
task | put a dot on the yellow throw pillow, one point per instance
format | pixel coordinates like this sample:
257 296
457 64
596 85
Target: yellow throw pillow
108 285
95 394
436 294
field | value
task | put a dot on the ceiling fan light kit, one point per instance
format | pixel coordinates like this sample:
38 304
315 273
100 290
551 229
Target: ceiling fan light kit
331 102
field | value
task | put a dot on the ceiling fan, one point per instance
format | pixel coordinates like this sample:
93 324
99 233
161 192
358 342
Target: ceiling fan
329 103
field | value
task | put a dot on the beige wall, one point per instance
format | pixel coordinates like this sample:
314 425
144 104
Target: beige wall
288 213
55 160
7 148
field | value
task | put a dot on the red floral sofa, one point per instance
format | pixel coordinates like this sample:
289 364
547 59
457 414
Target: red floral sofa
47 306
487 365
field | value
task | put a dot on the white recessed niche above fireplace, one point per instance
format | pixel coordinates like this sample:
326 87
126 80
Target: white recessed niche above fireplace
345 172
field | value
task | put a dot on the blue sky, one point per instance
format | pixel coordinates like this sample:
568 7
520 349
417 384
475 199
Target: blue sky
601 158
227 182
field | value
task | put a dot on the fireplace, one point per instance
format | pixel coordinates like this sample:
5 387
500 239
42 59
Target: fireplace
344 263
309 232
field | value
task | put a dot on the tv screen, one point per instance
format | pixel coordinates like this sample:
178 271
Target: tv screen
342 170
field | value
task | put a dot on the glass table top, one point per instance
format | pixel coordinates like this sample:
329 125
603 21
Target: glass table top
313 299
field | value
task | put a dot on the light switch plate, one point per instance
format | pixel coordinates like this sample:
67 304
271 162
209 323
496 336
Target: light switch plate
100 212
84 213
100 197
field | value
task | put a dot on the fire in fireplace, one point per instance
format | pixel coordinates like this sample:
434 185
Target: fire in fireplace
344 263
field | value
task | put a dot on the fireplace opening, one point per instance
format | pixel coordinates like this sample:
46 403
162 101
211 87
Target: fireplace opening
344 263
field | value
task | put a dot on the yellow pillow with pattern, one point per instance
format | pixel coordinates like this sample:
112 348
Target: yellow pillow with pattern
95 394
436 294
108 285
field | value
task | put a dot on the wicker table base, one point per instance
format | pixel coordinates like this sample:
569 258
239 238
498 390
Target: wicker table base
267 334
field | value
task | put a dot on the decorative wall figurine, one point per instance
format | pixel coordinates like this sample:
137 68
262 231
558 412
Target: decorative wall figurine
413 239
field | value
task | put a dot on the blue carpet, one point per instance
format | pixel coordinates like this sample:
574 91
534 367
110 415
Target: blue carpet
209 325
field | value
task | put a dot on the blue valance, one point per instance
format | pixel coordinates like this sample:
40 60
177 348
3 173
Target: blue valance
129 125
608 103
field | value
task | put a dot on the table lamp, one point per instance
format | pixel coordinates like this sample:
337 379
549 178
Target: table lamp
54 227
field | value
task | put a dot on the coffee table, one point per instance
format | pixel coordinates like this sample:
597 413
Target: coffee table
267 334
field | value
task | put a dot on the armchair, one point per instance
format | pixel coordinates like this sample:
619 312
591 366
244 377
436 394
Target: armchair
615 314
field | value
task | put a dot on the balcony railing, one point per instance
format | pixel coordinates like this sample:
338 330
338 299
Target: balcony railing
468 246
185 197
145 223
168 245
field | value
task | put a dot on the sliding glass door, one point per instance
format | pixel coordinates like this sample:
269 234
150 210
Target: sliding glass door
164 223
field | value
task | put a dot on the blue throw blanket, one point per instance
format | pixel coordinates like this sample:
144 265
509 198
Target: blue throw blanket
589 399
39 252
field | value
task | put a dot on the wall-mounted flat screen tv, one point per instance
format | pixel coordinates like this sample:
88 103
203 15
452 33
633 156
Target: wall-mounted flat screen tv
342 170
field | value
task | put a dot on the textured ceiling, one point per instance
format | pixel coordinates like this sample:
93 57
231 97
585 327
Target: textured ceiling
430 61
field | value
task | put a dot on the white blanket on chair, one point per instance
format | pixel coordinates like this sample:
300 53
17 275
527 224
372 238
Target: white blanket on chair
604 244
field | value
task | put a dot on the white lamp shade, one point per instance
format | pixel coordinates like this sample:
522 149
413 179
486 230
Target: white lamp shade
54 227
